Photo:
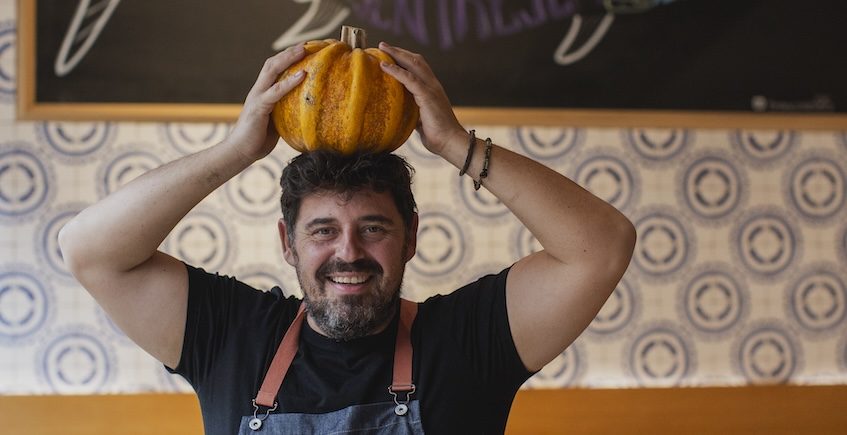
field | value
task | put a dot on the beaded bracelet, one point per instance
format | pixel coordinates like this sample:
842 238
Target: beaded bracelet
470 153
484 172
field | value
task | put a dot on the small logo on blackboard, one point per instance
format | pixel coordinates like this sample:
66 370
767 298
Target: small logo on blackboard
818 103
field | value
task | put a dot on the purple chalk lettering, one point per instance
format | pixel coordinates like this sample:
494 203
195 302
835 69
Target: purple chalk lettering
561 8
415 20
454 19
370 11
537 17
501 27
446 36
460 19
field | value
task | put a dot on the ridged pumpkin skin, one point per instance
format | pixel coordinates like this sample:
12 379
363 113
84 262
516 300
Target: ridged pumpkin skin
346 102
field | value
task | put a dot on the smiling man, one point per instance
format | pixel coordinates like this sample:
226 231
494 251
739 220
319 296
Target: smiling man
347 239
351 357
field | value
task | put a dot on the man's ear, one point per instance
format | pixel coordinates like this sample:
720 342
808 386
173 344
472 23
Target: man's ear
412 244
287 250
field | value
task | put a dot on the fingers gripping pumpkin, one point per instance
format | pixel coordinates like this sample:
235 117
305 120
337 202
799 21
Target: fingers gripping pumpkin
346 102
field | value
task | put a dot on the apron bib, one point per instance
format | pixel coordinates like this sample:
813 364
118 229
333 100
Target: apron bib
399 416
371 419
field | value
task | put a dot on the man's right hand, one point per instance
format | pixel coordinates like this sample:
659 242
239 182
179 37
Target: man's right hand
254 135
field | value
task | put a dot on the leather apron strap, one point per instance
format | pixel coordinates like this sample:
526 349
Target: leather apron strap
402 377
282 361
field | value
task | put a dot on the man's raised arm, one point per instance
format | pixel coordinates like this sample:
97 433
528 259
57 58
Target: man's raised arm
551 295
112 246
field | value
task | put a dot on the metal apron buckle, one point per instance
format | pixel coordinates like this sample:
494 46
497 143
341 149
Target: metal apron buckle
256 422
402 406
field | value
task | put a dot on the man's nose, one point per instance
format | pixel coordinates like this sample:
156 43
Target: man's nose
350 247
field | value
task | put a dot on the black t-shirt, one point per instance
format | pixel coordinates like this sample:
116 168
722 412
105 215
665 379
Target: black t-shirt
465 365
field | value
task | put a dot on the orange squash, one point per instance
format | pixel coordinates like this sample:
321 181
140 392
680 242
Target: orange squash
346 102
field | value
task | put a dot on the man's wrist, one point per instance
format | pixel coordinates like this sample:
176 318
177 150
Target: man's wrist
456 143
242 159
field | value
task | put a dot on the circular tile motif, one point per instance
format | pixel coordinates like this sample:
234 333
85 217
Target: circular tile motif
763 148
545 144
481 203
123 167
25 182
26 304
767 354
817 300
664 244
254 192
202 240
658 145
767 243
661 356
815 187
712 187
441 245
76 142
188 138
609 178
714 300
77 361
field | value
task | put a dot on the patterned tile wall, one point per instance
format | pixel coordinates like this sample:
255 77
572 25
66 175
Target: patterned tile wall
738 276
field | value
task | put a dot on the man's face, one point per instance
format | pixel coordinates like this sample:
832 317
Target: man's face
350 255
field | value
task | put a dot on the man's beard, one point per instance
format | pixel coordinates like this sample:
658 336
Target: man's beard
347 317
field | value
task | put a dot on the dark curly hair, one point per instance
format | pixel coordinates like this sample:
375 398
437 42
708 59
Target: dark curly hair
346 174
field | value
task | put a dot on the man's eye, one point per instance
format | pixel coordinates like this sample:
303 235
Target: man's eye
374 229
323 231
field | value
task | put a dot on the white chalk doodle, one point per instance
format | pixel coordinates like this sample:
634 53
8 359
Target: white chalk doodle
96 14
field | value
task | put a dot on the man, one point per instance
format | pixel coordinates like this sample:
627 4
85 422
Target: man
345 368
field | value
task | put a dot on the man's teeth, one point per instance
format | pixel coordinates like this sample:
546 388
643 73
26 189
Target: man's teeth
348 279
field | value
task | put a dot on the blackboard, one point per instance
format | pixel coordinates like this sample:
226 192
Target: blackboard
730 57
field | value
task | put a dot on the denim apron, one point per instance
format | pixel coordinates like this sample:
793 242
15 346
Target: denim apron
401 415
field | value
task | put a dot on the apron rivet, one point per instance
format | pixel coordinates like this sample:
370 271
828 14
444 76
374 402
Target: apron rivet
401 409
255 424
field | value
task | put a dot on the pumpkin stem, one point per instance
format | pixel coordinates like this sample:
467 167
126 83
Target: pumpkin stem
354 37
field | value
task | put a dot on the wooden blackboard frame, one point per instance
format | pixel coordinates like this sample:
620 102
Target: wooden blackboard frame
29 108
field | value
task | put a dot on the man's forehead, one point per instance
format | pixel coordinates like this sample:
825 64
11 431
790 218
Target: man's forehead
359 204
368 195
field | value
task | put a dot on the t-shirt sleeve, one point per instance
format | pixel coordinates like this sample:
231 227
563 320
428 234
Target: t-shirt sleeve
220 309
477 318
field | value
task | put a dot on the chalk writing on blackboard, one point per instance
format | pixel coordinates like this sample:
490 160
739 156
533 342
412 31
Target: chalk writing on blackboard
320 20
89 19
444 24
456 21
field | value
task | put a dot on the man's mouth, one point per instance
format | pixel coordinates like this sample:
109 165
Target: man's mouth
349 279
349 283
349 276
